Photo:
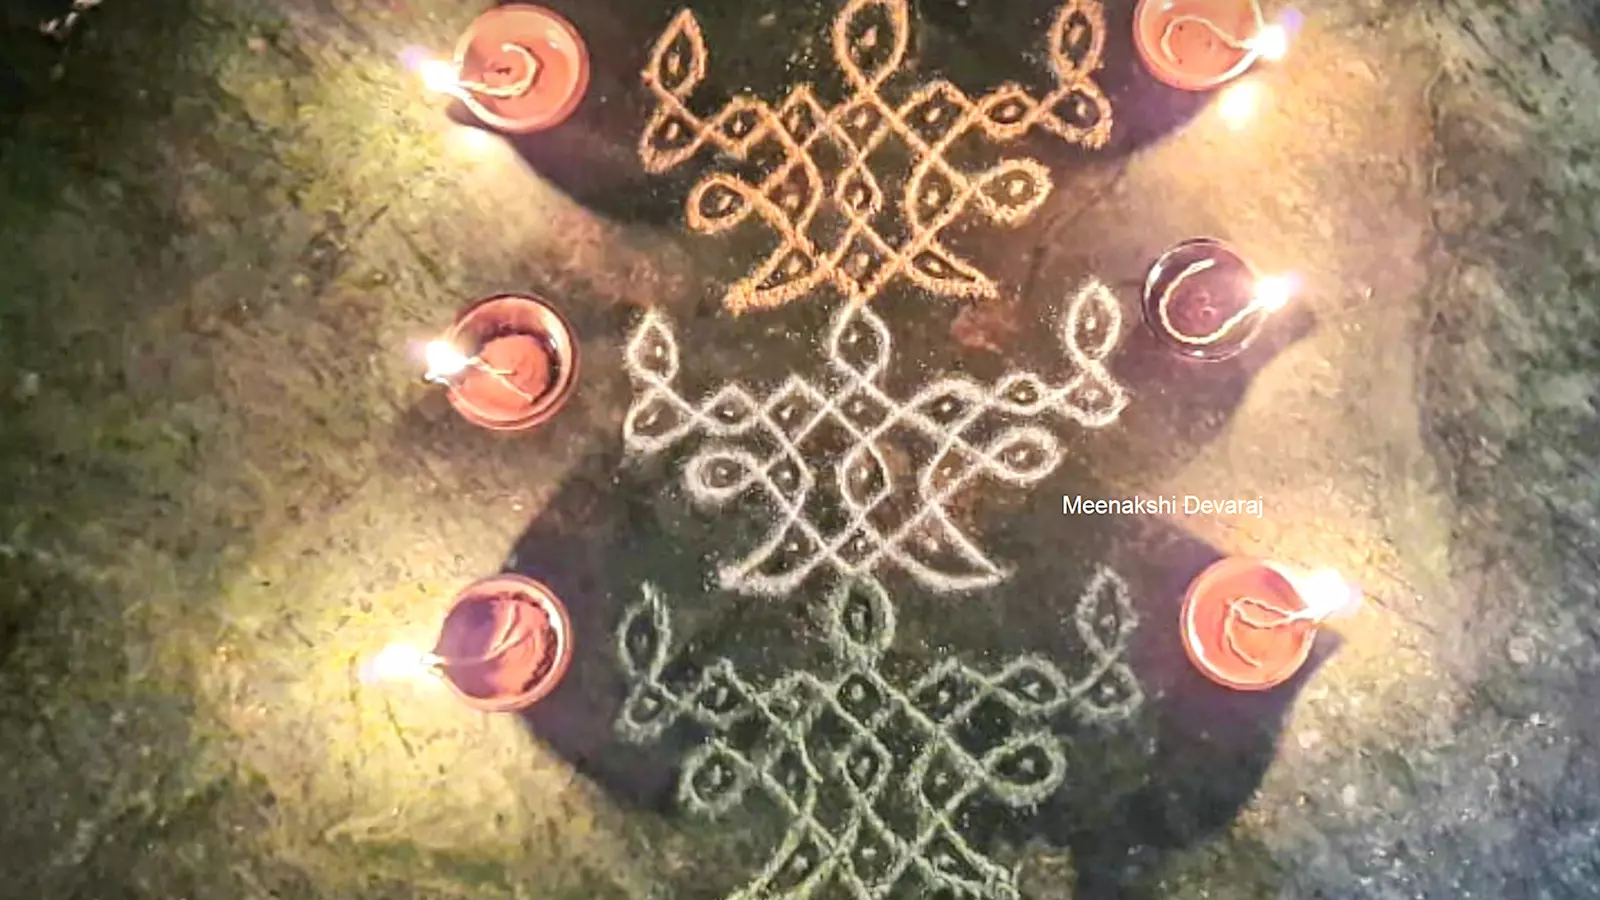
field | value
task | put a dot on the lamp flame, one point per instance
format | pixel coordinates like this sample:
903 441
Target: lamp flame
1271 43
1273 292
439 76
444 360
1327 594
398 662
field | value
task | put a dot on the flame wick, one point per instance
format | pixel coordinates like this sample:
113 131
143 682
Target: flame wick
1325 593
398 661
530 66
445 78
1270 41
1271 293
1282 618
446 364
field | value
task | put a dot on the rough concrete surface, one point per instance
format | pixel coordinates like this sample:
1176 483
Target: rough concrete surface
227 227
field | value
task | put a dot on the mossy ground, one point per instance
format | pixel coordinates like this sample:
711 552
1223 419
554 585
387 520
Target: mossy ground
226 226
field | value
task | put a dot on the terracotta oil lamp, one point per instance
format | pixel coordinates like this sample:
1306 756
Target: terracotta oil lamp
518 68
505 644
1250 624
509 362
1198 45
1205 301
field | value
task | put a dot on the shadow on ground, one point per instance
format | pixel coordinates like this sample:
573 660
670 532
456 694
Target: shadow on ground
1184 768
978 47
1174 775
589 545
1178 772
1181 405
593 156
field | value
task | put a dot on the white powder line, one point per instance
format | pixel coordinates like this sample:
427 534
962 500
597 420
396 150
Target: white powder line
837 731
926 543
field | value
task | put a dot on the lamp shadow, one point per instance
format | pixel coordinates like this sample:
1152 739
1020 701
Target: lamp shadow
591 546
1180 771
1177 405
1172 776
980 49
593 155
1181 405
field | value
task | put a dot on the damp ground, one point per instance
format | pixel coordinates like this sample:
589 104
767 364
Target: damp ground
226 227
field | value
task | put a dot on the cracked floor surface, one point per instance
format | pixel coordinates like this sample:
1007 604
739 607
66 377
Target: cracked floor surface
225 228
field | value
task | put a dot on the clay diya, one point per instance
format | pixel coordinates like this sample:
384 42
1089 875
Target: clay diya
519 68
1250 625
510 362
1203 300
1198 45
505 644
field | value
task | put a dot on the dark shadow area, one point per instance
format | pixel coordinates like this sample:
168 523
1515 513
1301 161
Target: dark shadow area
28 57
1146 109
1177 405
980 46
1180 405
587 546
1172 775
1182 769
593 156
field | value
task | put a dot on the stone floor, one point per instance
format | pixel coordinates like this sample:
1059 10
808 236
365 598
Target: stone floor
226 228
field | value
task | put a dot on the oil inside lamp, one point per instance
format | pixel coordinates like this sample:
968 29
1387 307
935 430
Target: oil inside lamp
505 644
1205 301
447 366
1198 45
509 362
443 78
1270 41
1249 624
518 69
1324 593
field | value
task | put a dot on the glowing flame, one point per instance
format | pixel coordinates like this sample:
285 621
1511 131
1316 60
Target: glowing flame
1273 291
444 360
1271 43
439 76
1327 594
473 144
1239 103
397 662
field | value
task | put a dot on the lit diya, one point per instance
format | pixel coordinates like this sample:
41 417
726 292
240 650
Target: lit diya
1250 624
1205 301
505 645
1197 45
510 362
519 68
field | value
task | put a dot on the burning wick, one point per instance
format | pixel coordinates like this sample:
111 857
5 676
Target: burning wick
1271 294
446 364
1271 42
445 78
1326 595
403 661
